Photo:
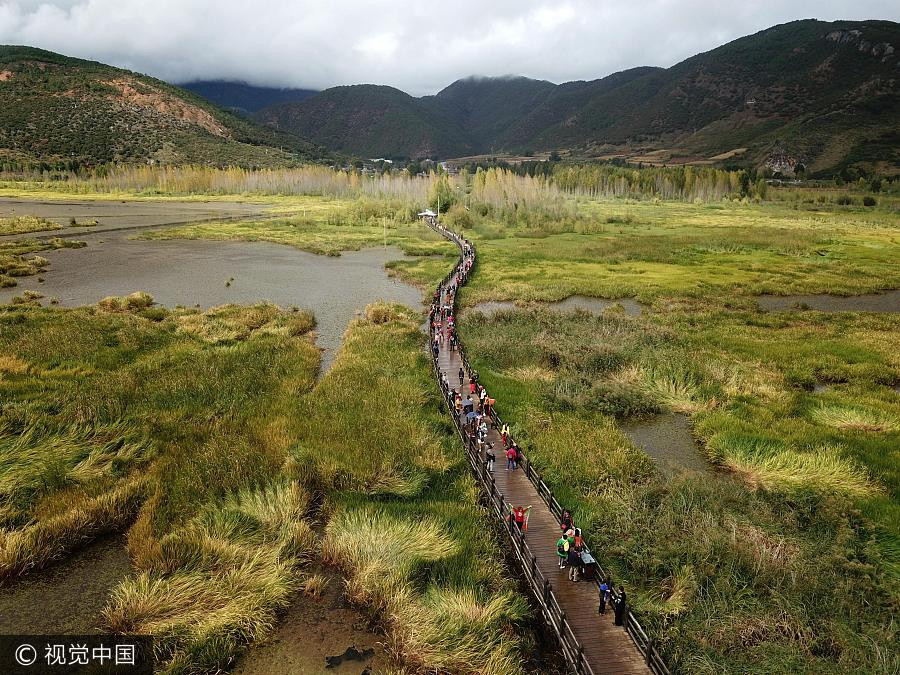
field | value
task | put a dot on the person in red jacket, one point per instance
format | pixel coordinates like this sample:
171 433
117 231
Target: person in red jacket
511 458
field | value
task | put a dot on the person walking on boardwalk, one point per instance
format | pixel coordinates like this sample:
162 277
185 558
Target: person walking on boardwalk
490 458
522 518
576 547
504 434
562 550
510 459
565 520
462 376
604 597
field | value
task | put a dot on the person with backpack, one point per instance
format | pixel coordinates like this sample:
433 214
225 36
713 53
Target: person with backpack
483 428
469 404
562 550
490 457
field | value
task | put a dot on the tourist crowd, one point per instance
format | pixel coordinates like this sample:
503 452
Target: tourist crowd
474 410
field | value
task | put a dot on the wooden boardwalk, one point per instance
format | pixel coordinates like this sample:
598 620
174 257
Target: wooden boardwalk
591 643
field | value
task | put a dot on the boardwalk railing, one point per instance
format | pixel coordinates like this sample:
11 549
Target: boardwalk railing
541 587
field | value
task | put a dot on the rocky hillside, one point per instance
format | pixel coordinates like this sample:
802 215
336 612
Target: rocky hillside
61 111
806 94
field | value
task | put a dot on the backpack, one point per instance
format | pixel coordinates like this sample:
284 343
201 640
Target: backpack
561 547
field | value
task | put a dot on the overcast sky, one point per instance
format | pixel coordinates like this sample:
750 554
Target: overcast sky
417 45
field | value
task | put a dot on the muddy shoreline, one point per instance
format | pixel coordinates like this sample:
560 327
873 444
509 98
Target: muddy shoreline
669 442
67 597
886 302
316 632
113 215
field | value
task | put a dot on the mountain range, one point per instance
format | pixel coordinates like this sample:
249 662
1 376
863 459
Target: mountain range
245 98
811 94
64 112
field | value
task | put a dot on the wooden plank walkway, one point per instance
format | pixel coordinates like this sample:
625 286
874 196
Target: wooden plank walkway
591 643
607 648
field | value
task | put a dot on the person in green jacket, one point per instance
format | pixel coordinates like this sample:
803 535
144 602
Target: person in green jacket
562 550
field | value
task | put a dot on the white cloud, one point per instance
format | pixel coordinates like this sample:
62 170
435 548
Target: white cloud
419 47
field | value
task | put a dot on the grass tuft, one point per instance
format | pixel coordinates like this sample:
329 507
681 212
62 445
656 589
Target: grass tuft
855 419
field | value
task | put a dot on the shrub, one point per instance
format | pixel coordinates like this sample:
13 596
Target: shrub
869 200
844 200
139 300
151 313
380 312
622 400
603 359
459 218
301 323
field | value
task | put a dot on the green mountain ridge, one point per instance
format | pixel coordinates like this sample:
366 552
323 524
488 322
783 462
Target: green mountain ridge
65 112
808 93
370 121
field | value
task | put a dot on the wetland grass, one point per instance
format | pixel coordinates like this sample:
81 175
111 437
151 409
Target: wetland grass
808 496
171 427
202 435
785 560
404 524
18 259
26 224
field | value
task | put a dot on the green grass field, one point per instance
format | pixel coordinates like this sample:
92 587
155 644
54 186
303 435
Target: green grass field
785 557
760 565
656 250
203 436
